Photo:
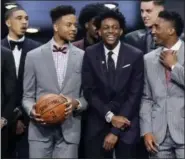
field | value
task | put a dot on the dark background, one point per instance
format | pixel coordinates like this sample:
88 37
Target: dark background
38 12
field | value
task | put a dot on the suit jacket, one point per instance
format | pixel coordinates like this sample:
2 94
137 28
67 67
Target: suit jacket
141 40
27 46
8 84
79 44
162 106
40 78
125 94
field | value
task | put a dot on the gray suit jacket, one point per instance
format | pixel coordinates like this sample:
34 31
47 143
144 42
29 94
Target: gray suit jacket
162 106
40 78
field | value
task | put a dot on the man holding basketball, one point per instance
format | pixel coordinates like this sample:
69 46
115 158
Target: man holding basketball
55 67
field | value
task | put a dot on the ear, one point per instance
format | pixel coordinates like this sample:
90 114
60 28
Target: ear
171 31
121 32
86 25
99 32
55 27
8 23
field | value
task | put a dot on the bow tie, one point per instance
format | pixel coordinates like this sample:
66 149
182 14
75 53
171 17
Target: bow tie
18 44
60 49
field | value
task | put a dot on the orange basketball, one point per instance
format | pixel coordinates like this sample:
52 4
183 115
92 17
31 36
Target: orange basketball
51 107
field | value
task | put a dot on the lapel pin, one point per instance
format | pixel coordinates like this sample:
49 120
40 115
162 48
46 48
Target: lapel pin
103 62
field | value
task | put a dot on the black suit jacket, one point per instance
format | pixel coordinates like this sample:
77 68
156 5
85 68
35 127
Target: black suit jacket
122 99
140 40
8 84
27 46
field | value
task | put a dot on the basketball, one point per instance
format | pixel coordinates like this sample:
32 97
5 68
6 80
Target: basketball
51 107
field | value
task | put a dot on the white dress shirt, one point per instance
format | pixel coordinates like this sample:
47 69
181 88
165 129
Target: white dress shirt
16 53
60 61
175 47
109 115
115 53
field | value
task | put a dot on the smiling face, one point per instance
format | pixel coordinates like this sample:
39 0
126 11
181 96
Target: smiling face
66 27
162 30
110 32
149 12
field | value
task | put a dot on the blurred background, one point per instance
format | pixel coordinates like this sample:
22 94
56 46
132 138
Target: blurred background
39 18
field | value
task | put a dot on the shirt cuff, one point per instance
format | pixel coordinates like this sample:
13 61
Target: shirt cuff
5 122
108 116
79 105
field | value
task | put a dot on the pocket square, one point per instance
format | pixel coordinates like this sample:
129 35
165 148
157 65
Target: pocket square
126 66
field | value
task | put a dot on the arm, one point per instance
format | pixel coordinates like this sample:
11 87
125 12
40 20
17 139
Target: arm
177 74
146 108
130 106
90 90
29 91
9 75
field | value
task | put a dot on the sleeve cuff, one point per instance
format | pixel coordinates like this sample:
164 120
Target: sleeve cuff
108 116
79 105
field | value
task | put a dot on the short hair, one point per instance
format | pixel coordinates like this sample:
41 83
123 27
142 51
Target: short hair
156 2
60 11
175 20
89 12
9 12
111 14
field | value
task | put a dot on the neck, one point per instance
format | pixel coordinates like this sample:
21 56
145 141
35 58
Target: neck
14 36
171 42
58 40
111 47
90 39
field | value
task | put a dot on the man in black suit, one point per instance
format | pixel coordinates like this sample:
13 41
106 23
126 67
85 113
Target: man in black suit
8 94
112 82
87 20
17 23
142 38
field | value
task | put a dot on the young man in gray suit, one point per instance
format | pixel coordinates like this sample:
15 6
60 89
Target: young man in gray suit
162 108
55 67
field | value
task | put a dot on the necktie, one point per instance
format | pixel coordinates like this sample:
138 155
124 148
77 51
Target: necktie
111 68
14 43
168 76
60 49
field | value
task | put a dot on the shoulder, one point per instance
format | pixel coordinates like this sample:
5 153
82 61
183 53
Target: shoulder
151 55
33 42
137 33
133 51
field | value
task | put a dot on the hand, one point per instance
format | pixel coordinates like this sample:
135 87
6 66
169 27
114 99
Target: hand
150 143
110 141
36 117
168 58
71 105
20 127
120 122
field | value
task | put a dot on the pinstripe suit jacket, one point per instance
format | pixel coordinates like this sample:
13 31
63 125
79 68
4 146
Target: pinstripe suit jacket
163 106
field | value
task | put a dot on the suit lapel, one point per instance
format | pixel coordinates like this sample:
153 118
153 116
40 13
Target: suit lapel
101 63
49 62
180 59
24 52
160 70
70 64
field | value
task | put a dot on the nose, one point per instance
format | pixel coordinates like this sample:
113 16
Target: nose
144 14
110 30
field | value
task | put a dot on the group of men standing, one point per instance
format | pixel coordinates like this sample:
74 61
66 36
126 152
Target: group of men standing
117 90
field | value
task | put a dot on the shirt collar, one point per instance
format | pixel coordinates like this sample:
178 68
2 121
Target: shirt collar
175 47
115 50
53 42
19 40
